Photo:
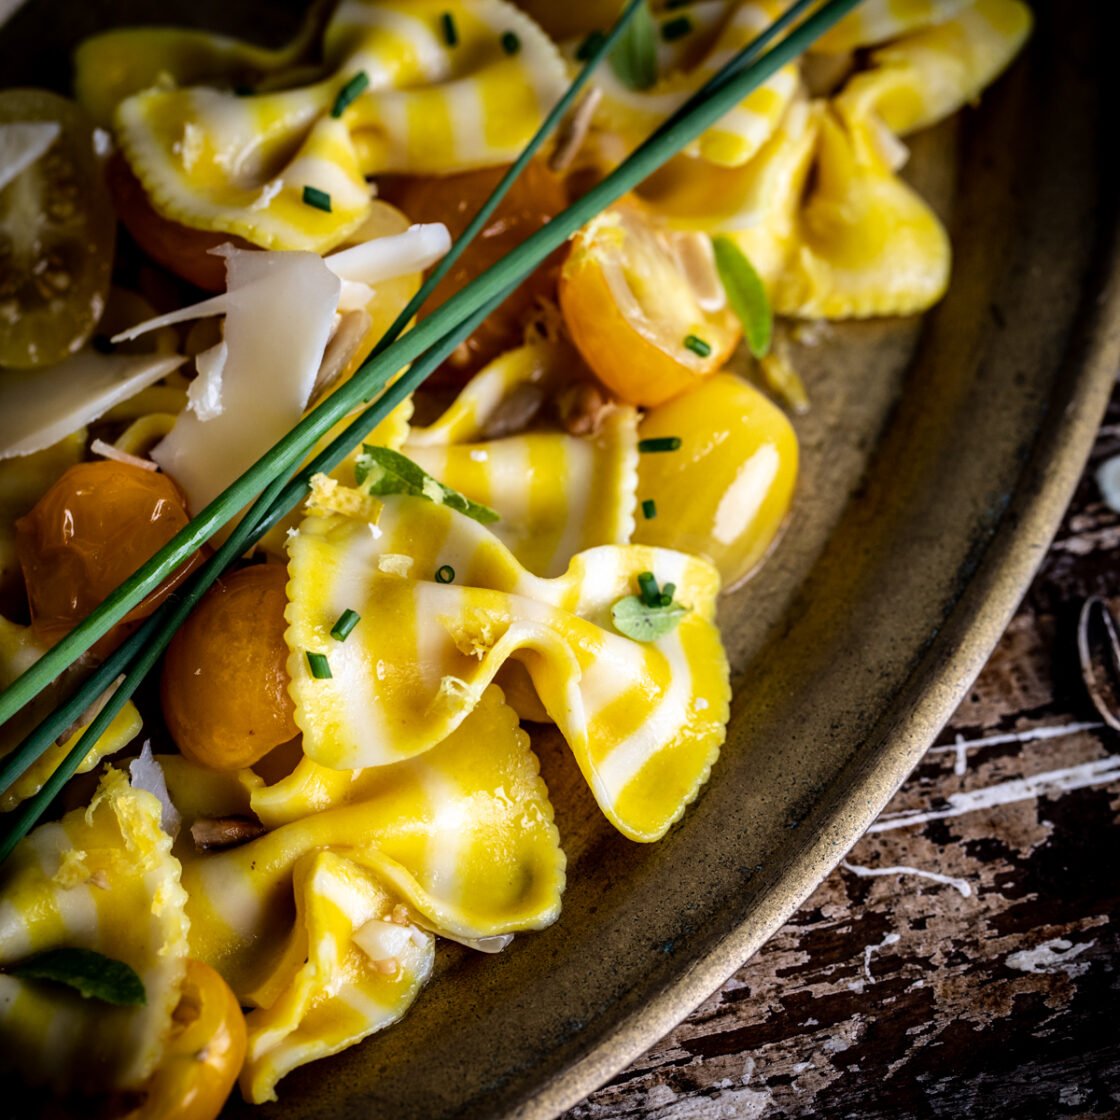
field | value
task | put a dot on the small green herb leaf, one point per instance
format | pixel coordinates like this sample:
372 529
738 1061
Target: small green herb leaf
91 973
634 57
381 471
746 294
644 623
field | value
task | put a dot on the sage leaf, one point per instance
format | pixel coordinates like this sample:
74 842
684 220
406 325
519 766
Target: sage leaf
381 471
634 57
746 293
93 974
644 623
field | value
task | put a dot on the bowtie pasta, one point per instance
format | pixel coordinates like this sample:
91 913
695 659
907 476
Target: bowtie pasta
345 773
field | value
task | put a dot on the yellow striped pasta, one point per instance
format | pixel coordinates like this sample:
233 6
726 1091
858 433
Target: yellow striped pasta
330 992
102 878
723 29
462 835
924 78
874 21
866 243
644 720
211 159
19 650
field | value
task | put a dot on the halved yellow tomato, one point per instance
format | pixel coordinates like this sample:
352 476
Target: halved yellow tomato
645 306
725 490
204 1054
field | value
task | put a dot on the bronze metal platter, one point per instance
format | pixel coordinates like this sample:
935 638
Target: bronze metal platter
938 457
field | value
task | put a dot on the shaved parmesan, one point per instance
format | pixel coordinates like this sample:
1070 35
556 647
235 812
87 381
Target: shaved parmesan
381 940
46 405
204 394
146 773
108 451
493 944
385 258
21 144
279 310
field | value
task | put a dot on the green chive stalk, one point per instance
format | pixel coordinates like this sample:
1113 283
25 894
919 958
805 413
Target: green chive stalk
268 473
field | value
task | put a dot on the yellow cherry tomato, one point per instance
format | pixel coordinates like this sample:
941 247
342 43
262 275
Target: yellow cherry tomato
204 1054
225 677
724 493
645 307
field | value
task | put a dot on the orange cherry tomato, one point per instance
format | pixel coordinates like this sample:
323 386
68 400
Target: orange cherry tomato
225 676
204 1054
88 533
180 249
534 198
645 307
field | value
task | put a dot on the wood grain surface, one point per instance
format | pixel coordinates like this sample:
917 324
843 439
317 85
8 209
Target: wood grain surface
963 960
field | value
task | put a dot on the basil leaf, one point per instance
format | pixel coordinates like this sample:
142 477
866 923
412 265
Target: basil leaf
644 623
93 974
634 56
381 471
746 294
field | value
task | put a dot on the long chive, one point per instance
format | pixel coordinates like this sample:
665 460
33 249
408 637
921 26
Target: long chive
286 452
744 73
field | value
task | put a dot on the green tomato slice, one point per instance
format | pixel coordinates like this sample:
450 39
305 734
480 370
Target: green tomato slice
57 230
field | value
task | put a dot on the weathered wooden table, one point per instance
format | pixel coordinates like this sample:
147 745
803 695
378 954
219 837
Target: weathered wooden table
963 960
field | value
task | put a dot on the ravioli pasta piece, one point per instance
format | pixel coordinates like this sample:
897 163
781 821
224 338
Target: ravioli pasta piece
215 161
731 141
759 201
874 21
924 78
331 993
19 650
102 878
463 834
116 64
556 494
536 367
644 720
866 243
